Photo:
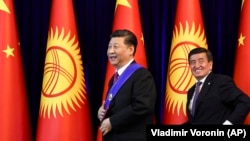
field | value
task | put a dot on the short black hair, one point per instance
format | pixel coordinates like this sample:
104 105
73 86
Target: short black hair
201 50
130 37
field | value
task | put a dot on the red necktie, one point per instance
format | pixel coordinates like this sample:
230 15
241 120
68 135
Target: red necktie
116 75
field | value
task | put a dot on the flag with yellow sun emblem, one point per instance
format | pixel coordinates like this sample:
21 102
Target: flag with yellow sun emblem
188 33
64 110
14 114
242 65
127 16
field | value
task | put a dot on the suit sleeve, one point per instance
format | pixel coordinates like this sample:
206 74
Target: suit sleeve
239 101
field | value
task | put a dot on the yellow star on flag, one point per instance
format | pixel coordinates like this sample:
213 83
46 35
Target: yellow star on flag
9 51
242 3
122 2
142 38
4 7
241 39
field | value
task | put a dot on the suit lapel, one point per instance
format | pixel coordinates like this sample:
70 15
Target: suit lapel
205 87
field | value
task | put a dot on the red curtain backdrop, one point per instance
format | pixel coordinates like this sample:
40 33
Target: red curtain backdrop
64 108
188 33
242 63
14 115
127 16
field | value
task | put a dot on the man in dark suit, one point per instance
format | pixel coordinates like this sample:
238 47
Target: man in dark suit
130 102
219 100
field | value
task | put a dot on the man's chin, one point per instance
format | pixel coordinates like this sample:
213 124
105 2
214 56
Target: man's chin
115 64
112 62
199 76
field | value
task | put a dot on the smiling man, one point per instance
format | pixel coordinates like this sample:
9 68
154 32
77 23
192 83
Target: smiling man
214 99
130 102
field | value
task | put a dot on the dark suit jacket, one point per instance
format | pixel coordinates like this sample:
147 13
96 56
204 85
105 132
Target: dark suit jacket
132 108
219 100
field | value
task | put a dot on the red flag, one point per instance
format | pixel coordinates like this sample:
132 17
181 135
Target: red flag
188 33
242 67
64 109
14 115
127 16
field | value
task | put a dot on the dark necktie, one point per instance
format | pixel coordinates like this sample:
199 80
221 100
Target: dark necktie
196 93
116 75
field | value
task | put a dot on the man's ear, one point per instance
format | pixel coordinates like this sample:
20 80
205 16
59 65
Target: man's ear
211 65
132 50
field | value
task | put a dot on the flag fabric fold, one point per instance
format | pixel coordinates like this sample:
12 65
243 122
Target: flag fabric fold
127 16
188 33
14 113
242 67
64 108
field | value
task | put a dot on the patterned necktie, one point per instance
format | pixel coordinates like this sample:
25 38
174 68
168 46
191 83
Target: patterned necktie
196 93
116 75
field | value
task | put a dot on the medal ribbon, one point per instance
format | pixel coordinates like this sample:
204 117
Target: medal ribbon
120 81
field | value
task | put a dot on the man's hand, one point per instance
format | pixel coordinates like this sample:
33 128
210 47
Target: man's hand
105 126
101 112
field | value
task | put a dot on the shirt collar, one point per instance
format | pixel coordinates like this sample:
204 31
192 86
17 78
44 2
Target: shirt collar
203 79
121 70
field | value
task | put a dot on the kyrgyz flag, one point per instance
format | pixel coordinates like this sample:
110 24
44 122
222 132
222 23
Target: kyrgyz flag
127 16
242 64
14 115
188 33
64 109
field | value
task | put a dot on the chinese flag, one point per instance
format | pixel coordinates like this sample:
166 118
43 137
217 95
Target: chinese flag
242 65
14 114
127 16
188 33
64 109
